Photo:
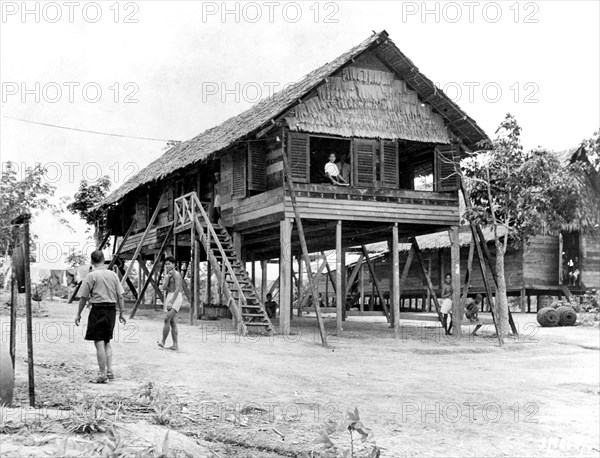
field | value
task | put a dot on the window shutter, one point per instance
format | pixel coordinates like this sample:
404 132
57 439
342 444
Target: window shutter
364 153
389 164
447 157
239 174
257 166
141 212
299 157
170 201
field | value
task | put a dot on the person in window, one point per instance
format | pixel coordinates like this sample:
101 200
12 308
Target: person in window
333 172
344 167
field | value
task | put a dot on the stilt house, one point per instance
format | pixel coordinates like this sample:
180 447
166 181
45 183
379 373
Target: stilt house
401 135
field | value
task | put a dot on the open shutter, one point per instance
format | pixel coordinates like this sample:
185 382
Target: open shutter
389 164
170 201
239 174
141 212
364 160
447 157
257 166
298 156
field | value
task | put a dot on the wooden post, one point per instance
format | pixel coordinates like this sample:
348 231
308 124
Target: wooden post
290 189
193 268
14 298
396 281
285 274
362 287
343 284
237 246
523 301
208 283
28 311
457 309
339 252
428 300
263 280
300 285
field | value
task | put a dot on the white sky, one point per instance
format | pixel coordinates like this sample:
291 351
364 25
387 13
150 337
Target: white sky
543 57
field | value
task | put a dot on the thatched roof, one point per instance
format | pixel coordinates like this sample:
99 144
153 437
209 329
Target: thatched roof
251 121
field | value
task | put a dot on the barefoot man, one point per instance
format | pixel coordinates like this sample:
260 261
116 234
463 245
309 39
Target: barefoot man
105 293
172 286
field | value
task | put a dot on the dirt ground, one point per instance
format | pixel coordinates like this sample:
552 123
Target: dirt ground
223 395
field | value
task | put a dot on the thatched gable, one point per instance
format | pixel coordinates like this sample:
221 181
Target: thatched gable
251 121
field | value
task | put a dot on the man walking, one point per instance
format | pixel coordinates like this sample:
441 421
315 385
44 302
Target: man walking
104 291
173 288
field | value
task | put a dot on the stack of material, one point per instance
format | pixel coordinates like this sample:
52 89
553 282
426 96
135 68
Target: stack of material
548 317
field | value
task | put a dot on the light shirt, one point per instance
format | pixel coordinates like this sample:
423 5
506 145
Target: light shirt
331 169
101 285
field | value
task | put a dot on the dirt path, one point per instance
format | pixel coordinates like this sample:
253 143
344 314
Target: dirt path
422 395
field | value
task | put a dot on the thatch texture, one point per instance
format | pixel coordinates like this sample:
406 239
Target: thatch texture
256 118
368 103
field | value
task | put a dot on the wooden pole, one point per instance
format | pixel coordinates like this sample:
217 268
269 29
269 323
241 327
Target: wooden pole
14 298
300 286
197 304
290 189
193 266
339 252
28 312
263 280
362 287
208 283
396 281
457 310
285 272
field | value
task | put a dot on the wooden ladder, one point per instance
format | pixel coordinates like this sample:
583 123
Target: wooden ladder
240 293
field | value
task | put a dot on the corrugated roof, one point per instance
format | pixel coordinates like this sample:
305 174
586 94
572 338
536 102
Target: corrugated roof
252 120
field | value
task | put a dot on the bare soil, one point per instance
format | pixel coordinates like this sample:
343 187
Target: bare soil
422 395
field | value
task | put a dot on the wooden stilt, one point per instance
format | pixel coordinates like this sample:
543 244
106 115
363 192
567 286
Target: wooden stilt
285 271
208 283
457 309
290 190
263 280
339 296
300 286
362 287
396 281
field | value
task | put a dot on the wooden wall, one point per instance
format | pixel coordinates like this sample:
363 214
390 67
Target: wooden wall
590 261
541 261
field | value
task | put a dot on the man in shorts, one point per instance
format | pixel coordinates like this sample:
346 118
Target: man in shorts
173 288
105 293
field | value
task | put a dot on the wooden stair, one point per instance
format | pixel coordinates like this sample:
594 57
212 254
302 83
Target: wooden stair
242 298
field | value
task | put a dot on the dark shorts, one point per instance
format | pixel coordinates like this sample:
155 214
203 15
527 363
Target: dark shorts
101 323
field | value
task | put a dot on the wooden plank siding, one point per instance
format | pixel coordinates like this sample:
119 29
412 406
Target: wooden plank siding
590 261
354 204
540 261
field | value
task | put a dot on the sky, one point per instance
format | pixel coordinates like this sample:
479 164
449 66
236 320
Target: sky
165 70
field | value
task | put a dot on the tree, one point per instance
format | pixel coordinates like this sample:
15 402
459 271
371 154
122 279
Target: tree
85 201
526 193
20 196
